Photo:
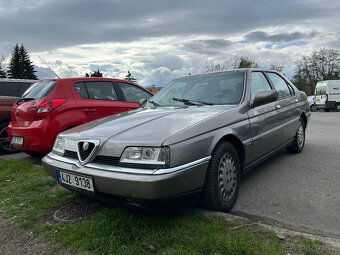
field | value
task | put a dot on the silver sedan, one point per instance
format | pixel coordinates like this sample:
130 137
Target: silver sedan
189 143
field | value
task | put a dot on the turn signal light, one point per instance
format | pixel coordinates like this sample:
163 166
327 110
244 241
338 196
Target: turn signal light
47 107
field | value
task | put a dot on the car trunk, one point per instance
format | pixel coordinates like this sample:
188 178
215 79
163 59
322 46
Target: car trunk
32 103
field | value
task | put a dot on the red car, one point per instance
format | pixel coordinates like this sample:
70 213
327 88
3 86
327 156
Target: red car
51 106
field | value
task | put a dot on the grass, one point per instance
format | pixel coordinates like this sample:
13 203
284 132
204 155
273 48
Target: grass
27 195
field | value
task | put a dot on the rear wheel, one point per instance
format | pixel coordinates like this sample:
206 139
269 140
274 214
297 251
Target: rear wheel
222 179
313 108
5 146
299 138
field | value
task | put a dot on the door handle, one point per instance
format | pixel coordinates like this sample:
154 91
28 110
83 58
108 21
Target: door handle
278 106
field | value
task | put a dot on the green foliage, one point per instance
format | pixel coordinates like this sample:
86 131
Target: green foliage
20 66
129 77
94 74
246 62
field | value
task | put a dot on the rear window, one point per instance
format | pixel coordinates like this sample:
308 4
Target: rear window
39 90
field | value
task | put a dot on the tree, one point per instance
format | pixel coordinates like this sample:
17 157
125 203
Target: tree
94 74
246 62
231 63
20 66
129 77
2 72
323 64
277 68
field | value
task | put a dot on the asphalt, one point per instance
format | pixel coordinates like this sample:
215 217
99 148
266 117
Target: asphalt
296 191
300 191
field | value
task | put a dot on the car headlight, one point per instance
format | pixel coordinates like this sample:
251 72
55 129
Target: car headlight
59 146
147 156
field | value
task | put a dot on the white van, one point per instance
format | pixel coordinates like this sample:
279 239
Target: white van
327 95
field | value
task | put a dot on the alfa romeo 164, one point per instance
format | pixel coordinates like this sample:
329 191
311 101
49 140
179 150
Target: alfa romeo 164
189 143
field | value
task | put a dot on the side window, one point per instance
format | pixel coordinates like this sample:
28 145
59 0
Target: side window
102 90
81 89
133 93
280 85
9 89
258 83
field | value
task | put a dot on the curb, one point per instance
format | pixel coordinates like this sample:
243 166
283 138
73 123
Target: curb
278 230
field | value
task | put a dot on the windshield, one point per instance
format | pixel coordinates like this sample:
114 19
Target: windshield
219 88
39 90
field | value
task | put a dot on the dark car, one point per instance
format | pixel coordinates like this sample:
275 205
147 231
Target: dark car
51 106
192 141
10 91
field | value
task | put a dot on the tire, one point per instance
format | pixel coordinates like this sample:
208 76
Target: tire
222 180
337 107
5 146
312 108
35 153
299 138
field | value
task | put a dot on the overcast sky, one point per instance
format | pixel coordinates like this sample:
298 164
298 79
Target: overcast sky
161 40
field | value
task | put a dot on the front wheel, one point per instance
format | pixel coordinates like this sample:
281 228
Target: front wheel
313 108
222 179
299 138
337 107
5 145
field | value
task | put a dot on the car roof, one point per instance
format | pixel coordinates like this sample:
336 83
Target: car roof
229 71
17 80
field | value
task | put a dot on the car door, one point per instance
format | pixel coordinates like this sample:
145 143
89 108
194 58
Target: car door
8 96
98 99
287 106
264 121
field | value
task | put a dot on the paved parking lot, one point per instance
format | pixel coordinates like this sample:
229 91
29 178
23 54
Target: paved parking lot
300 191
303 190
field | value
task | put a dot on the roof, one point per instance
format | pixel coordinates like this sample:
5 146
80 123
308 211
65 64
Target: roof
17 80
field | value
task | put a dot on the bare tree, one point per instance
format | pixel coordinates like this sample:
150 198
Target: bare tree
2 71
323 64
277 67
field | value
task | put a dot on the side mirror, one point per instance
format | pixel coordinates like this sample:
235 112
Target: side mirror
142 102
264 97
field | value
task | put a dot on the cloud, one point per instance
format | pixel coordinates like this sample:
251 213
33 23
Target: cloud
260 36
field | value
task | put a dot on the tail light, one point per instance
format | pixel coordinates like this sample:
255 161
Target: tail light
326 97
47 107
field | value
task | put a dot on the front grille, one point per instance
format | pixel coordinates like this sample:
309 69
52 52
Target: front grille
106 160
70 154
84 154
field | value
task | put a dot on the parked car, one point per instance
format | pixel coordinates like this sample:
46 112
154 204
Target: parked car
10 91
311 101
54 105
191 141
327 95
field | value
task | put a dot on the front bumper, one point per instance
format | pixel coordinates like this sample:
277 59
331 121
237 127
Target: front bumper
131 184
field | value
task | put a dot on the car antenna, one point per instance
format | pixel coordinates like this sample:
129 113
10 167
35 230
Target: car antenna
49 67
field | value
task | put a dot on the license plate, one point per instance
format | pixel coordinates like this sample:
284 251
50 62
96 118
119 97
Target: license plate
17 140
79 181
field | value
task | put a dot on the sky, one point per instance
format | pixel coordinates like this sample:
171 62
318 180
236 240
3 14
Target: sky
159 40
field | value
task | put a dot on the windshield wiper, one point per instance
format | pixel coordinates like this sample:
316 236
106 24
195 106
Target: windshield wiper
154 103
190 101
25 99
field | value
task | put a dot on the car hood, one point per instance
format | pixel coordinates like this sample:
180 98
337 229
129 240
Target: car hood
145 126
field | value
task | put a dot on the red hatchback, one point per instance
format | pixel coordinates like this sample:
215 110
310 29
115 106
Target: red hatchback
51 106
